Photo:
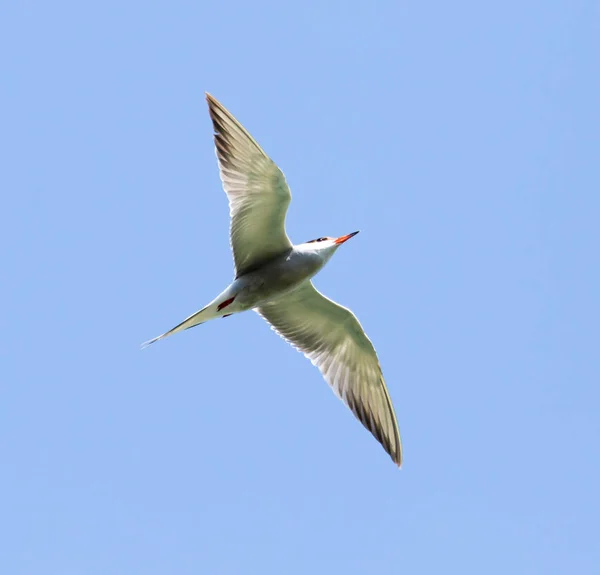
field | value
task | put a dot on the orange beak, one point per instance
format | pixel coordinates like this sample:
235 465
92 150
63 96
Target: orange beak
343 239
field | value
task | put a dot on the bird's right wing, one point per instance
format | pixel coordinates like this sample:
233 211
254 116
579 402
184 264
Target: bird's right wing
333 339
258 193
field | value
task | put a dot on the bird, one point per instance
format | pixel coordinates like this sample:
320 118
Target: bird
273 278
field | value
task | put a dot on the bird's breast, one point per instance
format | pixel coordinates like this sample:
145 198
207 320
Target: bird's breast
276 278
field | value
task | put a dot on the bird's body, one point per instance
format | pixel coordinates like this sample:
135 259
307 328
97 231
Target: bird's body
273 277
272 280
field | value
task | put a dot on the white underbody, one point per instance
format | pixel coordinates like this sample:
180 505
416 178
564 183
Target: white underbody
276 278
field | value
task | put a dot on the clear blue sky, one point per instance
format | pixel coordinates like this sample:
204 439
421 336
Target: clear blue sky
462 138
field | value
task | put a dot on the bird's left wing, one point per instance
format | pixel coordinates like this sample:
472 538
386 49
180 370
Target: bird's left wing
333 339
258 193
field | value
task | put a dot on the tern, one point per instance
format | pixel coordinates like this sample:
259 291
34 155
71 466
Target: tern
273 278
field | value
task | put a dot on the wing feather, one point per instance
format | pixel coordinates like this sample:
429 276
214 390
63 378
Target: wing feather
331 336
257 191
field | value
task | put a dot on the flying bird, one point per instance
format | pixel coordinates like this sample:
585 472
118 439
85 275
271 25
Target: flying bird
273 278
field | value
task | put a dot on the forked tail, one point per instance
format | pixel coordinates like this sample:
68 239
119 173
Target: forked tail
195 319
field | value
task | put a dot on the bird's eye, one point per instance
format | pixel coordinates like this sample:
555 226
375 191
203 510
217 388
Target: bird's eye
321 239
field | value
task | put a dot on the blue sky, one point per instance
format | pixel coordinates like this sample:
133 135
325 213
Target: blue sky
461 138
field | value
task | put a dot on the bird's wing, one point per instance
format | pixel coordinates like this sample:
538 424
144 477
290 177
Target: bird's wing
258 193
333 339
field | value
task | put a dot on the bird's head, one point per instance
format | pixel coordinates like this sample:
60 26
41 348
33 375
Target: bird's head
326 246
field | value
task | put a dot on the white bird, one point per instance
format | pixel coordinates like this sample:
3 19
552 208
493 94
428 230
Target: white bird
273 277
